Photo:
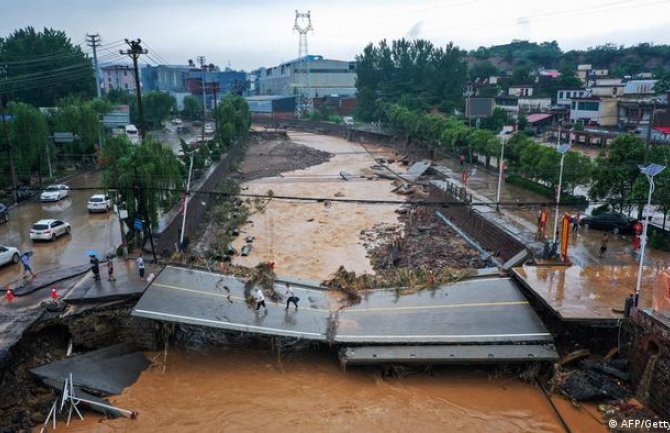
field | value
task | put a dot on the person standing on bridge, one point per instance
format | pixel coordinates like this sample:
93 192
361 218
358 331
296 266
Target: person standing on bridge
291 297
95 267
260 299
25 261
603 244
140 265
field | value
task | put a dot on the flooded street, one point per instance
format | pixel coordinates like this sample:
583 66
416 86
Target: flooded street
311 239
247 391
252 390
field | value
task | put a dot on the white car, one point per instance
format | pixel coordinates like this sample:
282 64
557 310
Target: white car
8 255
99 203
55 192
209 129
176 121
49 230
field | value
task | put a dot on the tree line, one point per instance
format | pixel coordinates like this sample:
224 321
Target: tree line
614 177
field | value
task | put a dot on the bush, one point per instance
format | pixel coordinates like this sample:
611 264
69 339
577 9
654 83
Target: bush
531 185
659 240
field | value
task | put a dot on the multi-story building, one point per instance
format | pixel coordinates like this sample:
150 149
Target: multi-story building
118 77
322 76
564 96
594 110
608 87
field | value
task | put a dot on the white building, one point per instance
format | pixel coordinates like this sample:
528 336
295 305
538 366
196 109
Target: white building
323 77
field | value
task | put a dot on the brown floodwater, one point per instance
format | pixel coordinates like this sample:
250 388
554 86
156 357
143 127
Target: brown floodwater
249 390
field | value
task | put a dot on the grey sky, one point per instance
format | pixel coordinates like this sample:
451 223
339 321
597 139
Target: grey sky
254 33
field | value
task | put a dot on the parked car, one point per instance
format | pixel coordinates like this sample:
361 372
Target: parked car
4 213
24 193
55 192
209 128
99 203
197 123
49 230
609 221
8 255
176 121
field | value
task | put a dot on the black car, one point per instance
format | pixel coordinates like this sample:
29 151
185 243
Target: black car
610 221
4 213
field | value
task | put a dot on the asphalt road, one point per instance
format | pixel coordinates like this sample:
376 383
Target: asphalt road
98 231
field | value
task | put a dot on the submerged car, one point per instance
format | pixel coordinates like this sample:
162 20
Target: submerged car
49 230
610 221
99 203
55 192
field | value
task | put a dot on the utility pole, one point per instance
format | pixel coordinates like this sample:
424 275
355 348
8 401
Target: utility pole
134 52
201 60
93 41
3 105
647 145
215 89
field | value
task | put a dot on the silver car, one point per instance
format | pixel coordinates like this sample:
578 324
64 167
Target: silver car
55 192
99 203
49 230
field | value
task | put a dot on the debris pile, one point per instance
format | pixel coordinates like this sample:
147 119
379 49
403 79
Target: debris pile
424 242
264 276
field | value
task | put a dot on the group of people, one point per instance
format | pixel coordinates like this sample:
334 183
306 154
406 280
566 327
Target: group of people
291 298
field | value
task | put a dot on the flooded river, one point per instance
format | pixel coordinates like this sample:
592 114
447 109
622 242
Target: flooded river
248 390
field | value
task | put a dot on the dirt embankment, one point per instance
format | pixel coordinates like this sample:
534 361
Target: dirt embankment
267 158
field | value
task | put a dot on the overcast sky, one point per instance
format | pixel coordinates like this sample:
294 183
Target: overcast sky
253 33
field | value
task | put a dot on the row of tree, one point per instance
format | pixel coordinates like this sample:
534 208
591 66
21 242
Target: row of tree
151 178
614 177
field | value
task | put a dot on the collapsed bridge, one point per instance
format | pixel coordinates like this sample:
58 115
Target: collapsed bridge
480 320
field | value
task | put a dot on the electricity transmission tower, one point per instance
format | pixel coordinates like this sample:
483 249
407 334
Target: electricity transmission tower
303 24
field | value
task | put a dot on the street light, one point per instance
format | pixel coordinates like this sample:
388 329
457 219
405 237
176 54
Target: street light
186 196
649 171
563 150
501 164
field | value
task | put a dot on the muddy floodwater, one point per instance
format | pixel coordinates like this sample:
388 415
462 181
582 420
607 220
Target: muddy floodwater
250 390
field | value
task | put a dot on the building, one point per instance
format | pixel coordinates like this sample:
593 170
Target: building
594 110
608 87
272 106
639 88
184 80
520 90
118 77
325 77
564 96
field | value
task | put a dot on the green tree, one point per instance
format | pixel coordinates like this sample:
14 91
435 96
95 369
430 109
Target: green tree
483 69
234 120
192 108
82 118
149 177
29 136
617 170
43 67
157 107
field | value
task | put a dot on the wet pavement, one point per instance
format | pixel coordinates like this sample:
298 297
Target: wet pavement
593 285
99 231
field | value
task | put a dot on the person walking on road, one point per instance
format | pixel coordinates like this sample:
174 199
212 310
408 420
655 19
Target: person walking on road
291 297
260 299
575 225
140 265
95 267
544 217
603 244
25 260
110 269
